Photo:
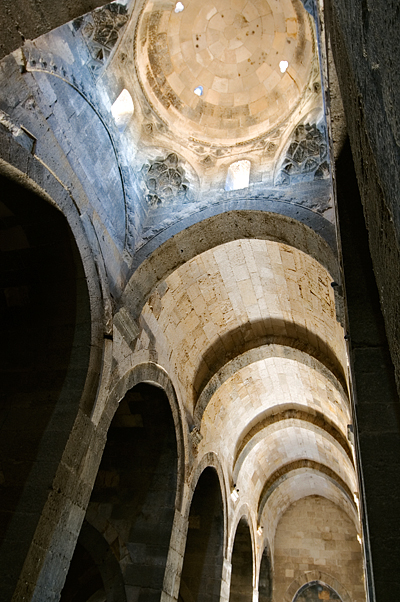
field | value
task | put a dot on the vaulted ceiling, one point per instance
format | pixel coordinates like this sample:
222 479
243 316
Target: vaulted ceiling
250 331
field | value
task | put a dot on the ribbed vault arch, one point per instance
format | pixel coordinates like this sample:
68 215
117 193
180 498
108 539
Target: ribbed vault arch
258 432
259 353
300 484
265 393
152 373
299 467
219 229
293 441
259 333
238 296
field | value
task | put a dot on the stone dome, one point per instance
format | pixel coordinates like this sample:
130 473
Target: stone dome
233 53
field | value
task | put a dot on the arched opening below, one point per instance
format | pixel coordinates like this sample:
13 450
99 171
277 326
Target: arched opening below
45 330
265 578
316 591
202 565
94 574
133 499
84 581
242 565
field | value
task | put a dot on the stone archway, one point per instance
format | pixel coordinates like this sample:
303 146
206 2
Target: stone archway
46 361
134 496
265 577
242 565
315 591
203 560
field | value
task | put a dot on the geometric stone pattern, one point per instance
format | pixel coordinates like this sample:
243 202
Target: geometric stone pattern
100 30
232 48
165 180
306 158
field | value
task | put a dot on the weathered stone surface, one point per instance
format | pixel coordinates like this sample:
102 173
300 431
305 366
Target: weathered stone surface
306 158
366 53
21 20
224 304
377 400
308 547
165 180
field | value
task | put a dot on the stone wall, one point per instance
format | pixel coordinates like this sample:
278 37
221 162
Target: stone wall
51 107
367 57
26 20
315 536
366 52
56 127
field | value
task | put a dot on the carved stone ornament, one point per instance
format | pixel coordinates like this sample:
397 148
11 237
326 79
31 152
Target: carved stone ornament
101 29
306 158
195 436
165 180
202 149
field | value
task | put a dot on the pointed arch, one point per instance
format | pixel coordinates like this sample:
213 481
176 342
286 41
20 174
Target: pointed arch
149 372
204 552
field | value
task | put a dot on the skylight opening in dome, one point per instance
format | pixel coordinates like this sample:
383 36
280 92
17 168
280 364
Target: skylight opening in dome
283 65
238 175
122 109
179 7
198 91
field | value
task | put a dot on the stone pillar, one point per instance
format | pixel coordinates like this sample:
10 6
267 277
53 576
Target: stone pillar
176 553
47 562
226 580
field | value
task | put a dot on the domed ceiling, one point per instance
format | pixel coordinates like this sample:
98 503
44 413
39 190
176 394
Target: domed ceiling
250 63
